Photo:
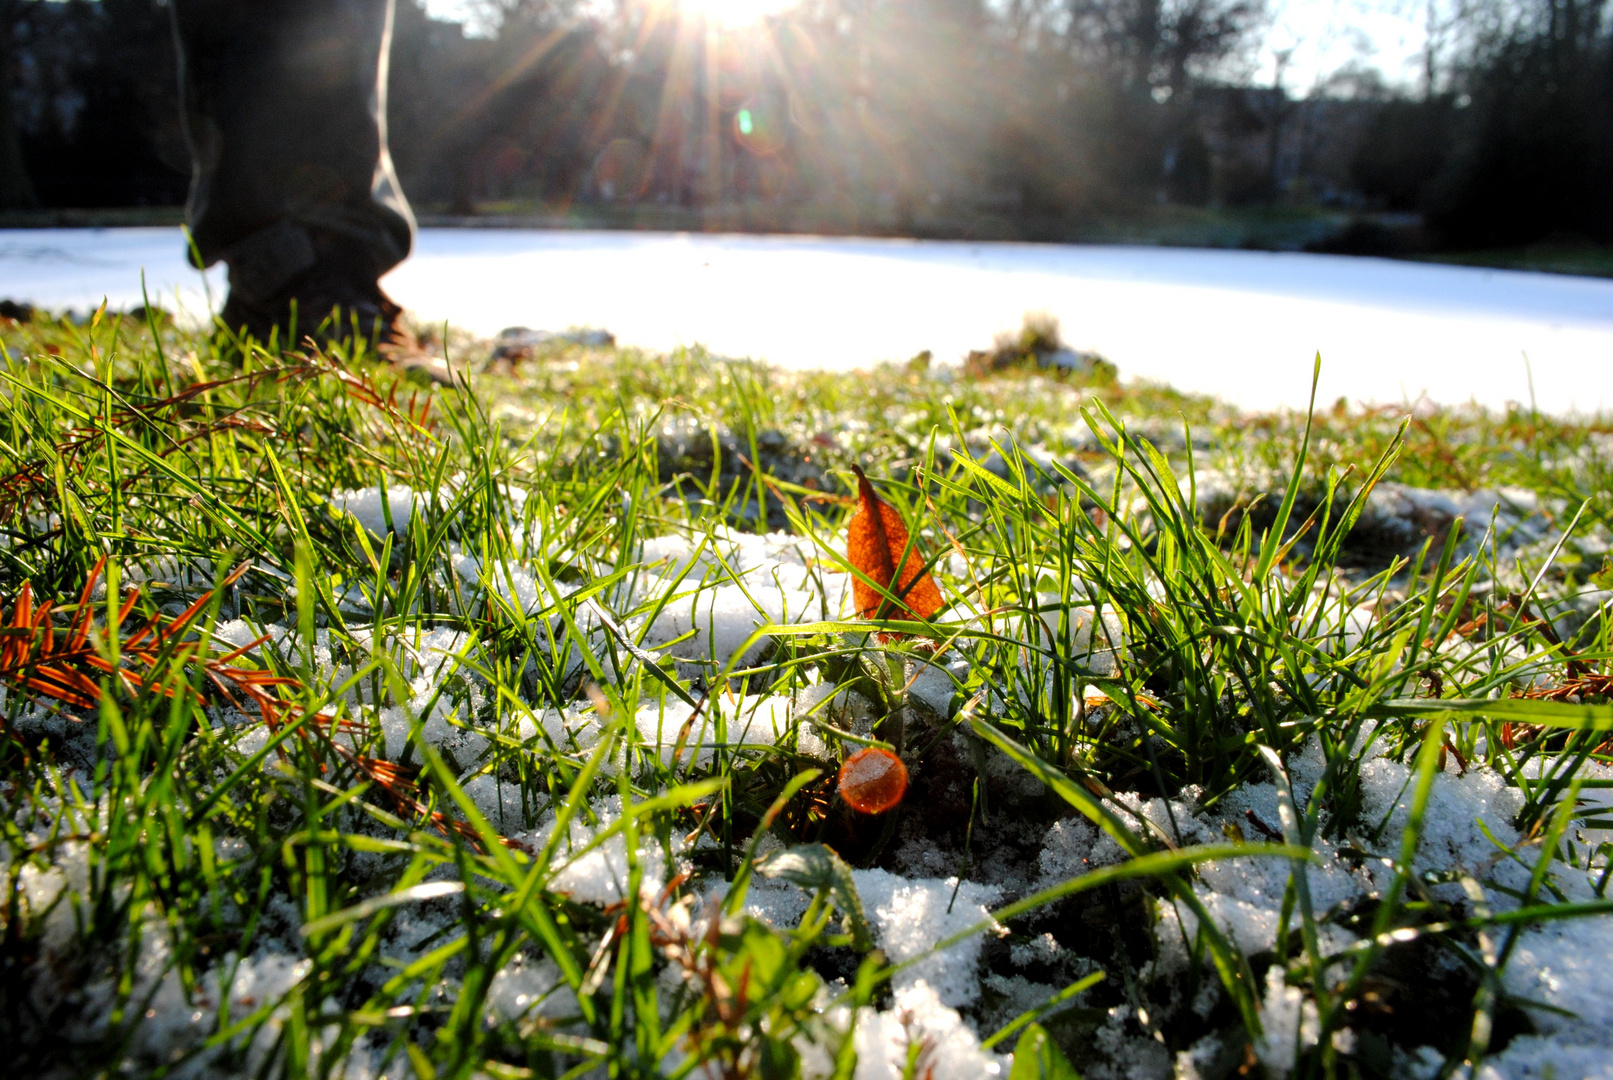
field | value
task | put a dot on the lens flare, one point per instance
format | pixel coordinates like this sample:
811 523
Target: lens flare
873 780
756 127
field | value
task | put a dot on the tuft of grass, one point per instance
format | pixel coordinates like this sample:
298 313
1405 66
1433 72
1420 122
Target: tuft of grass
324 793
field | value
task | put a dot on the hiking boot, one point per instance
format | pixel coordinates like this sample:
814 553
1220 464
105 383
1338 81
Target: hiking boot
327 307
291 278
297 284
332 317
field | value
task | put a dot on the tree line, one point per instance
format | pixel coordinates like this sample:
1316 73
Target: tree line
917 116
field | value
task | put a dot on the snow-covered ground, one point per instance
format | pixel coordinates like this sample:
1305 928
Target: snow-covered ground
727 585
1242 325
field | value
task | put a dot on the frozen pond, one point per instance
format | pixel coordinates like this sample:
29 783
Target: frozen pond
1243 325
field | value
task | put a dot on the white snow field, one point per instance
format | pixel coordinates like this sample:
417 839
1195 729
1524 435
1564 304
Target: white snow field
1242 325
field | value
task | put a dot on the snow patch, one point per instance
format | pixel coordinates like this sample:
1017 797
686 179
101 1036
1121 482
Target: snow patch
909 916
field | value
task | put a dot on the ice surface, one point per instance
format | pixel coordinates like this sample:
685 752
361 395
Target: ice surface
1244 325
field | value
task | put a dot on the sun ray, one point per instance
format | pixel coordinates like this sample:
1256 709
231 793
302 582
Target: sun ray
732 14
677 89
507 78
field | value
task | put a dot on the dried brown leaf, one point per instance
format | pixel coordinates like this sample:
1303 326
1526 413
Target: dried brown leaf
876 540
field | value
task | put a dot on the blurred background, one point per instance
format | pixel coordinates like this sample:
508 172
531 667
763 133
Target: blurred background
1471 130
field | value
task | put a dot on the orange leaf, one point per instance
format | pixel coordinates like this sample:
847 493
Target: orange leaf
875 541
23 614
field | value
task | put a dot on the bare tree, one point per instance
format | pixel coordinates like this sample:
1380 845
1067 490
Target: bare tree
1156 47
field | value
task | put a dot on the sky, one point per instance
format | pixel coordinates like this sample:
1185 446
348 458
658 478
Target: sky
1320 36
1326 35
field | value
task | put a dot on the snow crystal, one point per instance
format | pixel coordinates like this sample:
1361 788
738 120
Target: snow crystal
908 917
1261 882
1566 965
831 704
1094 642
515 586
435 712
1072 847
1253 929
1131 1053
1290 1023
720 603
523 987
430 654
933 685
836 705
741 725
1468 829
1018 995
715 622
58 892
1038 950
498 800
1460 811
772 901
750 722
947 1048
598 874
235 632
372 510
175 1019
1533 1057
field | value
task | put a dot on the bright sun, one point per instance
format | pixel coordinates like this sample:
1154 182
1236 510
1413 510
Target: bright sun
735 13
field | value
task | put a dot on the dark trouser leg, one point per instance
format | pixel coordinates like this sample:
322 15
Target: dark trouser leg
285 108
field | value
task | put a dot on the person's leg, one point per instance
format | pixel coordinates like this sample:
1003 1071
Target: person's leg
285 109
